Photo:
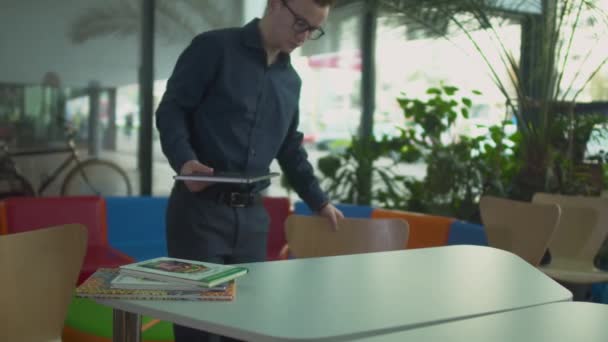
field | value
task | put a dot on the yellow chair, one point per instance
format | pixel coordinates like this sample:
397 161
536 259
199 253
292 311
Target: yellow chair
312 236
521 228
38 273
579 237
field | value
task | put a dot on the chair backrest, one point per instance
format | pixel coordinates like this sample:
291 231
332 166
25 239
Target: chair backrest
21 214
583 227
349 210
278 209
312 236
467 233
522 228
137 225
424 230
38 272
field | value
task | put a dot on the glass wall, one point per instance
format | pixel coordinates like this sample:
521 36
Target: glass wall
61 64
178 22
409 61
330 70
330 103
76 63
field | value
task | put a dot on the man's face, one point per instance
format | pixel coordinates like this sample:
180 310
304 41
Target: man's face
296 21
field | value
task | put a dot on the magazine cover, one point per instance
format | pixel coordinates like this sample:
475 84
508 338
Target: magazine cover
98 286
183 271
174 266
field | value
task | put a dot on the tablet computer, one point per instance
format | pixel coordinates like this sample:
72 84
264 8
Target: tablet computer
227 177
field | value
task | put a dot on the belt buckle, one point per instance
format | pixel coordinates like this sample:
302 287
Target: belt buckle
238 200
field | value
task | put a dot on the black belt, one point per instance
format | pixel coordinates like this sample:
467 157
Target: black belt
238 199
234 198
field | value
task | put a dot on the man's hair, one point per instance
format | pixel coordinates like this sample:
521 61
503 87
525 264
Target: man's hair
324 3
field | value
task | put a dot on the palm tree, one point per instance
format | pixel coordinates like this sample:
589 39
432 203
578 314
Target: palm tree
547 81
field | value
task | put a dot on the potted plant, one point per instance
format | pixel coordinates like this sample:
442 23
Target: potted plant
538 91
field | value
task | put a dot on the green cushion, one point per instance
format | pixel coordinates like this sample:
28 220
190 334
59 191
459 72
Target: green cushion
87 316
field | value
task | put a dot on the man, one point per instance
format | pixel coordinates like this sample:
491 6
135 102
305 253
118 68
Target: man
231 105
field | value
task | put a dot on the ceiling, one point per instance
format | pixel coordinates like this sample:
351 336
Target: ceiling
35 39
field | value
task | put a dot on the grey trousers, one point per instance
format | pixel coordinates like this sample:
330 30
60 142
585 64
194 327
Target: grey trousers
200 228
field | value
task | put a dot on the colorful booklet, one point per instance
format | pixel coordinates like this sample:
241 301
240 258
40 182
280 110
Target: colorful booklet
98 286
122 281
183 271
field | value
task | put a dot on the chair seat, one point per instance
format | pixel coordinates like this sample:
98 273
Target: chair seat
101 256
574 272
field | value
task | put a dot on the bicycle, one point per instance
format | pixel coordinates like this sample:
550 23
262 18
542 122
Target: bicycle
89 176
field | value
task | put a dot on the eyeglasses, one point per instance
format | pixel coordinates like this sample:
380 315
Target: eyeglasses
300 25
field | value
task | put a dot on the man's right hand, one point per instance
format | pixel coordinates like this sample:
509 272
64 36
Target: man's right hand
194 166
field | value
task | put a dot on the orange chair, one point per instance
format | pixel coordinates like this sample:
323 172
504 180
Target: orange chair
425 230
20 214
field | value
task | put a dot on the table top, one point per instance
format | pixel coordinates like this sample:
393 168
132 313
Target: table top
345 297
557 322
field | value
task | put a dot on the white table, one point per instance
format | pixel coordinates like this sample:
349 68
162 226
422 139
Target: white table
346 297
557 322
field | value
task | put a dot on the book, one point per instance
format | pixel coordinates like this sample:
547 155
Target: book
98 286
203 274
122 281
227 177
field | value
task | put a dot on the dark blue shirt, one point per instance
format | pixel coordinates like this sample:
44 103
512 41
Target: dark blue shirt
225 107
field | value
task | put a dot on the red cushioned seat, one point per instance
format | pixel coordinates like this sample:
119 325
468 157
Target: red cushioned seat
278 209
101 256
21 214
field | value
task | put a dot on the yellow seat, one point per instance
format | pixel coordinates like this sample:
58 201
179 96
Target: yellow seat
38 272
579 237
521 228
312 236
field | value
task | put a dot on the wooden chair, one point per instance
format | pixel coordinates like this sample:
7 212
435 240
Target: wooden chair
521 228
38 271
312 236
579 237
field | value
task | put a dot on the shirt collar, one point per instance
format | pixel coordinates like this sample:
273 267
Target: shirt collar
252 38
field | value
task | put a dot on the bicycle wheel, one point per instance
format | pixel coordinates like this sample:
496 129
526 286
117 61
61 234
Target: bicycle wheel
14 185
96 177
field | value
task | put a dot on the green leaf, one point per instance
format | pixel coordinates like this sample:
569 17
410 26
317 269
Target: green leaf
433 91
449 90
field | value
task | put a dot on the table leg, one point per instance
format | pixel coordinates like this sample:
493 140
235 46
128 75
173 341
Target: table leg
126 326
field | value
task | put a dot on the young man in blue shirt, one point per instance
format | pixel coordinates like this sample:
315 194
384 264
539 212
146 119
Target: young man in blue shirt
231 105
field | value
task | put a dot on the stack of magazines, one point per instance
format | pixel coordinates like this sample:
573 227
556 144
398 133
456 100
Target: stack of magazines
164 278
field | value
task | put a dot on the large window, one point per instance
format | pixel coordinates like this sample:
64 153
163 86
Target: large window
61 62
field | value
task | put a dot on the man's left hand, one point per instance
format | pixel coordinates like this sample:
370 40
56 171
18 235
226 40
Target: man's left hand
331 213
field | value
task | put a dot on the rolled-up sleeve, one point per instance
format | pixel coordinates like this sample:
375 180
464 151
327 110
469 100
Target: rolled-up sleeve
193 73
293 160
